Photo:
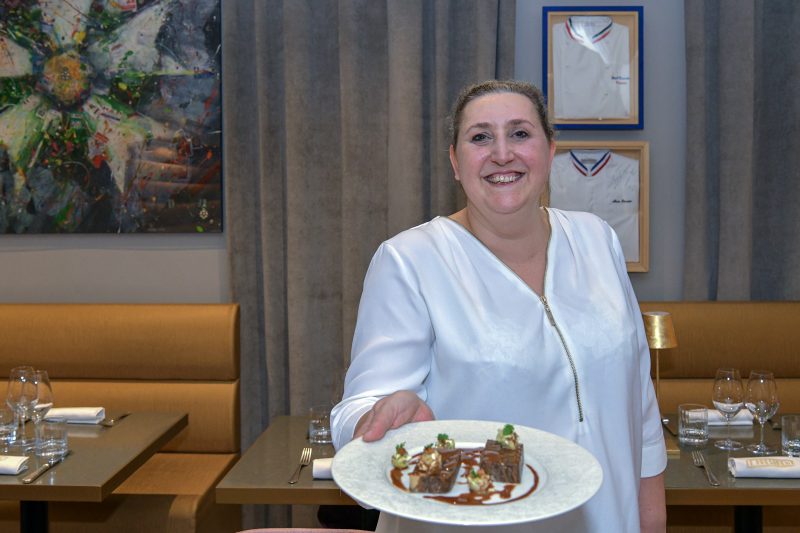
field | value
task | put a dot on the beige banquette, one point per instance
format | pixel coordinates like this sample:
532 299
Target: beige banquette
141 357
743 335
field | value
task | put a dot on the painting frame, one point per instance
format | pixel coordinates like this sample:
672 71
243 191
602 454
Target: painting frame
627 157
111 117
589 56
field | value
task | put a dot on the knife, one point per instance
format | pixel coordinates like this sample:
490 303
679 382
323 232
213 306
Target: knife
30 478
112 421
669 423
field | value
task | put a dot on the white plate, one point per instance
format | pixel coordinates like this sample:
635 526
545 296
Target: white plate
568 475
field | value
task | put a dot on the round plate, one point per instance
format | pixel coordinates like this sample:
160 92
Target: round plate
568 475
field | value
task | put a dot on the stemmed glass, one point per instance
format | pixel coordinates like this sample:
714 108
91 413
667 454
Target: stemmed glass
21 397
761 398
728 398
44 400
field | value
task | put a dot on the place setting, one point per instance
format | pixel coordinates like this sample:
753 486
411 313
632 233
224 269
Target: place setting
34 434
743 425
319 451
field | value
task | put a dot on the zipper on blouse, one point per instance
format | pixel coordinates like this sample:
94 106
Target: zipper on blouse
549 313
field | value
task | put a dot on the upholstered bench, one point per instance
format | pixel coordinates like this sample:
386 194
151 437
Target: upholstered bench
141 357
743 335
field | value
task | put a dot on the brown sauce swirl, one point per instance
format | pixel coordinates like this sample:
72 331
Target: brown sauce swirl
472 498
469 458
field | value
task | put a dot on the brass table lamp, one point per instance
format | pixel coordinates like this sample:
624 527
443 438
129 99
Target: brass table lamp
660 335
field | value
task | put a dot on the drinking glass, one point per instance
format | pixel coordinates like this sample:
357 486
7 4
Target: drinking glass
21 397
52 443
319 424
728 398
44 401
8 427
761 398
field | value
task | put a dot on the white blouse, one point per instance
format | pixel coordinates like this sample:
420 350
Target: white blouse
442 316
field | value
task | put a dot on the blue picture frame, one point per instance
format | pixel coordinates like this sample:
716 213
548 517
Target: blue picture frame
626 110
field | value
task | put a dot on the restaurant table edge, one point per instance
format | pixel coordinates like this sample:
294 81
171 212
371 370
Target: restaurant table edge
166 427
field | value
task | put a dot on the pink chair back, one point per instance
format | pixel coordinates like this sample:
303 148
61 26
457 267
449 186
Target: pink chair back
302 530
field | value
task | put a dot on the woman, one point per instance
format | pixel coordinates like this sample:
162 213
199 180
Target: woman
506 311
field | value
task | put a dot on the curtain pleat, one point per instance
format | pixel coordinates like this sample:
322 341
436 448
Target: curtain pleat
776 189
335 140
742 241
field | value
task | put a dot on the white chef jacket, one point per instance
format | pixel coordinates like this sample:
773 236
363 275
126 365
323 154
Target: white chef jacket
591 69
442 316
604 183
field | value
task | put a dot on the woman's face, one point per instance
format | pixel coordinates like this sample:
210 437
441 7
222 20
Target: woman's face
503 157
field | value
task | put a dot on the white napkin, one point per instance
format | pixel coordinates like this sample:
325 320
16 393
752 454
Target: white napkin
321 468
12 464
78 415
788 467
742 418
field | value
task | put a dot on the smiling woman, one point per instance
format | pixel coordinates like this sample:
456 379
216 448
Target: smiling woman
501 155
508 311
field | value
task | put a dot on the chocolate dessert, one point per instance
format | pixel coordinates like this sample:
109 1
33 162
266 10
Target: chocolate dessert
503 464
436 471
502 457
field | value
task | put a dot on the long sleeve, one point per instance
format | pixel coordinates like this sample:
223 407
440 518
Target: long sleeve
392 342
654 452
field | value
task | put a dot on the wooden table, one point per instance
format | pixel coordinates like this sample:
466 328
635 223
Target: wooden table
686 484
100 460
262 473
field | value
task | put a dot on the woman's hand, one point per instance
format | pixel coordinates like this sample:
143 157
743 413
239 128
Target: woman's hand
392 412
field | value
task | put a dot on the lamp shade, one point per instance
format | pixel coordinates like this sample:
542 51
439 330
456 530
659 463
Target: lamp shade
659 330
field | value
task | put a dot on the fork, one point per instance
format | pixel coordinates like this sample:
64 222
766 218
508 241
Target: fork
305 460
699 460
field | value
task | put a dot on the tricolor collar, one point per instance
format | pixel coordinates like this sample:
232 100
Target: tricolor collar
576 34
594 169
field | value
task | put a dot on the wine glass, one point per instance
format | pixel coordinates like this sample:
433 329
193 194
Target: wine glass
761 398
728 398
21 396
44 400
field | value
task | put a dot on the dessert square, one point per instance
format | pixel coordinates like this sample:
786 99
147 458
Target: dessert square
439 479
503 464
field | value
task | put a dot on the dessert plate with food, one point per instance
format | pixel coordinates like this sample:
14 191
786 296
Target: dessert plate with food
468 472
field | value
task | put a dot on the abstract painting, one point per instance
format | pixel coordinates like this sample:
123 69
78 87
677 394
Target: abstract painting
110 116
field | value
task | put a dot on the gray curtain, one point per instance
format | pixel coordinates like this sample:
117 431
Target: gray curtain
334 123
743 130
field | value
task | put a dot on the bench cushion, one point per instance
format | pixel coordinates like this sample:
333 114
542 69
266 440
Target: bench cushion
744 335
213 407
123 341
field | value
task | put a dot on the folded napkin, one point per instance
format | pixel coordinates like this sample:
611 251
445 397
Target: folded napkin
78 415
12 464
321 468
742 418
788 467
